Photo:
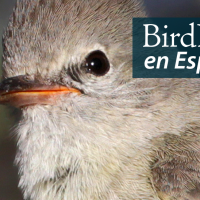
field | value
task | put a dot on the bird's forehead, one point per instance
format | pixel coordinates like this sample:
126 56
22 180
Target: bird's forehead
45 32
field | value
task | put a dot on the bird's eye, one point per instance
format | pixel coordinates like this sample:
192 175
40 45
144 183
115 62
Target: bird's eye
96 63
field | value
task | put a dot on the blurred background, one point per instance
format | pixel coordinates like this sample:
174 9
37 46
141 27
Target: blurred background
8 172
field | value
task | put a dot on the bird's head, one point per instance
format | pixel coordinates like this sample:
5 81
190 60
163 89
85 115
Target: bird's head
70 54
74 57
70 48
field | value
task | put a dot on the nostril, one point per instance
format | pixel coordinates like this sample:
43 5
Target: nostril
29 77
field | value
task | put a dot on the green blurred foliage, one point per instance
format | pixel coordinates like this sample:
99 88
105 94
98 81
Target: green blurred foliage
6 7
8 173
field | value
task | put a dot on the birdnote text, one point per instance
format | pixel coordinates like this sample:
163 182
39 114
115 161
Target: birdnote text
166 48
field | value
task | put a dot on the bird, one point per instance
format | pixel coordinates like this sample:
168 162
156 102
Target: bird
88 130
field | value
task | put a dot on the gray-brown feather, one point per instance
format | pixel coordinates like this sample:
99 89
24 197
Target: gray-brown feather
176 171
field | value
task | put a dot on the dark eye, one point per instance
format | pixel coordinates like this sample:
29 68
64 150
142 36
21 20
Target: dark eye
97 63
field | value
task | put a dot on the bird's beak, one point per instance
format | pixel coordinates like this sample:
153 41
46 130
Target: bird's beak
19 91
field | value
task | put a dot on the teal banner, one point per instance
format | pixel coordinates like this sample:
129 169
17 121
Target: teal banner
166 47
